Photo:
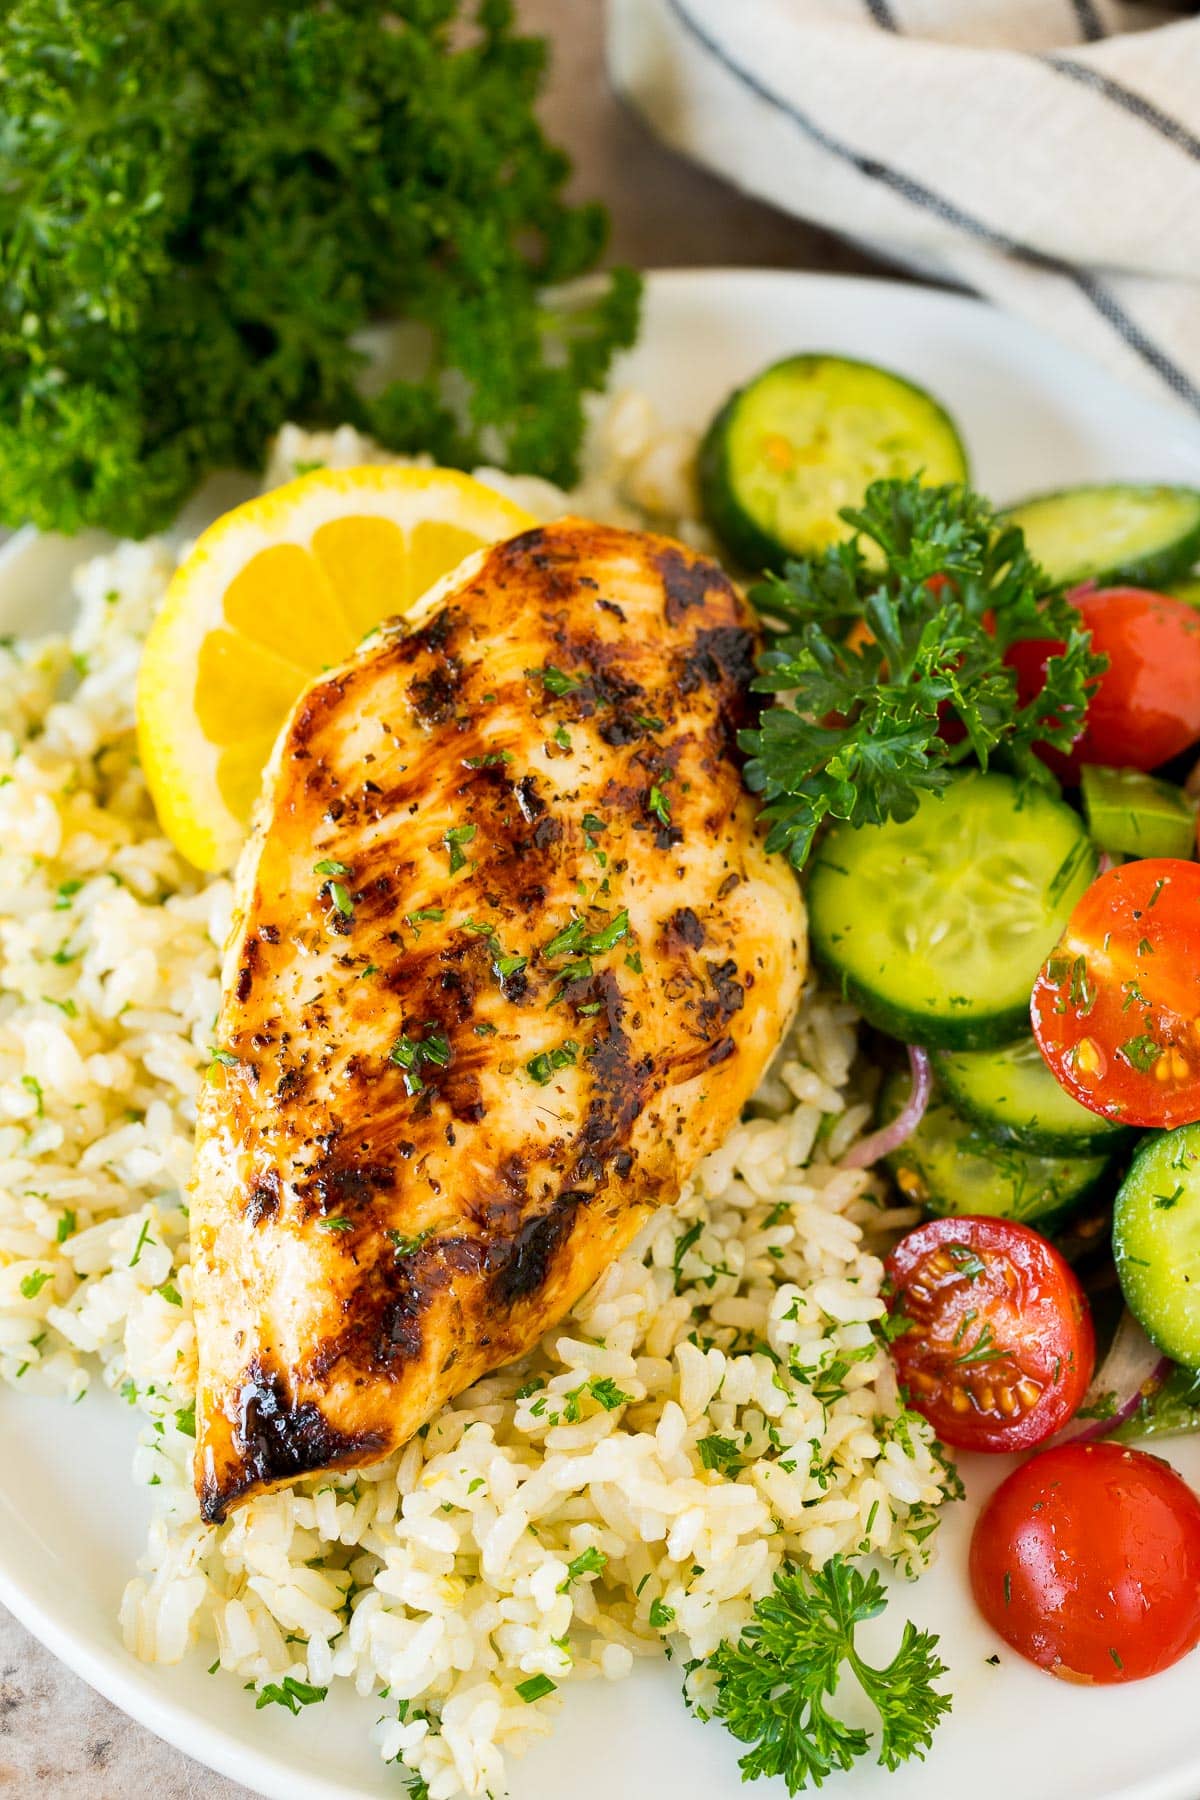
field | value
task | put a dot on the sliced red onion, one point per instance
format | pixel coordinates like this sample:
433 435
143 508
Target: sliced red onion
1104 863
1082 590
1133 1369
889 1137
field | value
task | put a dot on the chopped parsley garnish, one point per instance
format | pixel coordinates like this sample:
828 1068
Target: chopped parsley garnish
454 839
290 1693
504 965
774 1683
32 1285
67 1225
339 897
589 1562
1073 971
720 1453
185 1420
33 1086
966 1261
335 1224
144 1238
329 867
170 1293
414 1054
1141 1053
66 889
894 1325
567 940
536 1688
424 915
661 1615
682 1246
858 732
226 1058
404 1245
983 1349
494 759
555 681
543 1067
658 804
576 940
609 1395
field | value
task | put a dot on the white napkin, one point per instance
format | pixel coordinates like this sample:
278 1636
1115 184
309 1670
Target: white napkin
1045 153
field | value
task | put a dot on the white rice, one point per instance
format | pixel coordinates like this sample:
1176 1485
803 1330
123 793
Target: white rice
717 1403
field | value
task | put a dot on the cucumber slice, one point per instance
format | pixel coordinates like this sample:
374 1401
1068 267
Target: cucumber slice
1131 814
1014 1099
949 1166
1186 590
1156 1241
1113 533
807 437
936 928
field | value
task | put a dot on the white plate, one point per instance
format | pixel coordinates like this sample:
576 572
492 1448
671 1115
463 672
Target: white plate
71 1523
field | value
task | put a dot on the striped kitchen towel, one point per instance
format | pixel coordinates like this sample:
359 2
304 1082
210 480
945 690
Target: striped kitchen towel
1045 153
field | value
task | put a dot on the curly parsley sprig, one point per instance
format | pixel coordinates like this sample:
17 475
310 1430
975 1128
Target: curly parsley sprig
203 202
772 1685
887 639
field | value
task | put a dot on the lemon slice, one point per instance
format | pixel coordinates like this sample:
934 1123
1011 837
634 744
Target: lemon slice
273 593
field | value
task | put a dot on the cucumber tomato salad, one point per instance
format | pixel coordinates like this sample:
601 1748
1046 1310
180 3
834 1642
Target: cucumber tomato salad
979 743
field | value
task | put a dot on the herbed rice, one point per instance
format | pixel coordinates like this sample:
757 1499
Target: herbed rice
718 1402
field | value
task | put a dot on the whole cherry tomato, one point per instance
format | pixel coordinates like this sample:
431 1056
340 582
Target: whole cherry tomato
1087 1561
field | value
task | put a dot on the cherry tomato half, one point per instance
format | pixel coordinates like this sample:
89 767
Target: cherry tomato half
1000 1349
1087 1561
1116 1006
1145 708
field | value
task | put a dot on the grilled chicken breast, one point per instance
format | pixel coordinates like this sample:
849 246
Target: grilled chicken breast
508 960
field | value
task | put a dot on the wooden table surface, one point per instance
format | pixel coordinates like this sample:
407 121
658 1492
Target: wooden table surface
58 1739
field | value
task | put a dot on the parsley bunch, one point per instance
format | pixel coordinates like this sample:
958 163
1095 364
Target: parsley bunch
891 661
202 200
773 1683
